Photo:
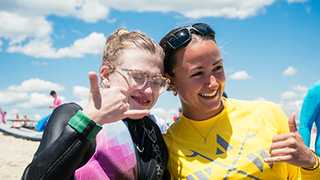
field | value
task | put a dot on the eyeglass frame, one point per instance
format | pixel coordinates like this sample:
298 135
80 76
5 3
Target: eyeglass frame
130 71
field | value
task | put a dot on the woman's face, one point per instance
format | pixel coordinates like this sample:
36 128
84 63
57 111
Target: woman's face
199 79
135 59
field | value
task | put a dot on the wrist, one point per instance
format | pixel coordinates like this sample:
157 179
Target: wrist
85 126
315 162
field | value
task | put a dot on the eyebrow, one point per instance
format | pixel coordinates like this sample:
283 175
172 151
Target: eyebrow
199 67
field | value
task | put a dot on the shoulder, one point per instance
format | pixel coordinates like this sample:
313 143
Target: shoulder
65 111
266 111
67 107
314 90
254 106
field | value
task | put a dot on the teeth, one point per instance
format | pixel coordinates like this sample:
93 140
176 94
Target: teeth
208 94
142 100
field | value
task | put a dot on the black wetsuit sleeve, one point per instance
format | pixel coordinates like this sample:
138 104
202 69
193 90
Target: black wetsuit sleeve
62 149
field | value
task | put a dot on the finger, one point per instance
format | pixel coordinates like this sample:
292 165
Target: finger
292 123
277 159
94 86
281 137
137 114
282 152
278 145
95 90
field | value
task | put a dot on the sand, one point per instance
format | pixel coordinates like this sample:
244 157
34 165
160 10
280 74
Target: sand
17 153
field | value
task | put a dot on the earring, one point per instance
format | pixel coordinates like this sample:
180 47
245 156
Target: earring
174 93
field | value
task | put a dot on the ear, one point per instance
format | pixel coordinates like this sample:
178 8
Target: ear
171 85
105 72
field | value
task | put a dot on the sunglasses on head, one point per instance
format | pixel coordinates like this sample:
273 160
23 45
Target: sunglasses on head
183 35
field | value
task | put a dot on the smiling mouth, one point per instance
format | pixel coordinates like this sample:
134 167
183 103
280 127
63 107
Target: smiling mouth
208 94
144 101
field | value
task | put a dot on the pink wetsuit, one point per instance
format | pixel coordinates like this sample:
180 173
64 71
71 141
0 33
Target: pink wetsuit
2 116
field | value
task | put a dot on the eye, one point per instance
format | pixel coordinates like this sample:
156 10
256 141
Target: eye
217 68
197 74
138 77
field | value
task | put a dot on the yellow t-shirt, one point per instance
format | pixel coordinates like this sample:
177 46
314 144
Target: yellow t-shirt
237 140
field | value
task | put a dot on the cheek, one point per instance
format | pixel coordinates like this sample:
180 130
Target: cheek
188 86
221 78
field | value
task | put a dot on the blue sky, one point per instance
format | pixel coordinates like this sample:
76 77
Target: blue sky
271 48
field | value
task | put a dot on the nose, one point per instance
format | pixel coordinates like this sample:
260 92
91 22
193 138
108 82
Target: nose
212 82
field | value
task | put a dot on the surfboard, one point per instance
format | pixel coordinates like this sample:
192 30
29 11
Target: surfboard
22 132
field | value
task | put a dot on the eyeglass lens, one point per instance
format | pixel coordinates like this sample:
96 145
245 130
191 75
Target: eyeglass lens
139 79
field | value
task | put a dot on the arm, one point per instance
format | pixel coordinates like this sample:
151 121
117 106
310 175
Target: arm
61 150
309 112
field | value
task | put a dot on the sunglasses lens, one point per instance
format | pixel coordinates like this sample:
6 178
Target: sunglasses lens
179 38
203 28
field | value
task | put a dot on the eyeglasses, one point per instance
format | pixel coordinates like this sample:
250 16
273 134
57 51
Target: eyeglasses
183 35
138 79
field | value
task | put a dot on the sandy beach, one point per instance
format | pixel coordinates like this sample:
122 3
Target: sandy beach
17 153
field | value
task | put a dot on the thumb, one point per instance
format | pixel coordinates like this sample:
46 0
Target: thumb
137 114
292 123
94 89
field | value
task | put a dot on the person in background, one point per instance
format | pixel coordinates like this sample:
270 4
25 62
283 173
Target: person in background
310 113
17 123
176 117
225 138
130 145
3 114
57 101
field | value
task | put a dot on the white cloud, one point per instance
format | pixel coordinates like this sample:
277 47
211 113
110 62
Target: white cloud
80 92
32 93
197 9
95 10
92 11
25 25
301 89
167 115
7 97
296 1
18 28
240 75
290 71
292 106
70 8
36 85
288 95
92 44
36 100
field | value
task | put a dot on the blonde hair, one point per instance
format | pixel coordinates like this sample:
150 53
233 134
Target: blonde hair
122 40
